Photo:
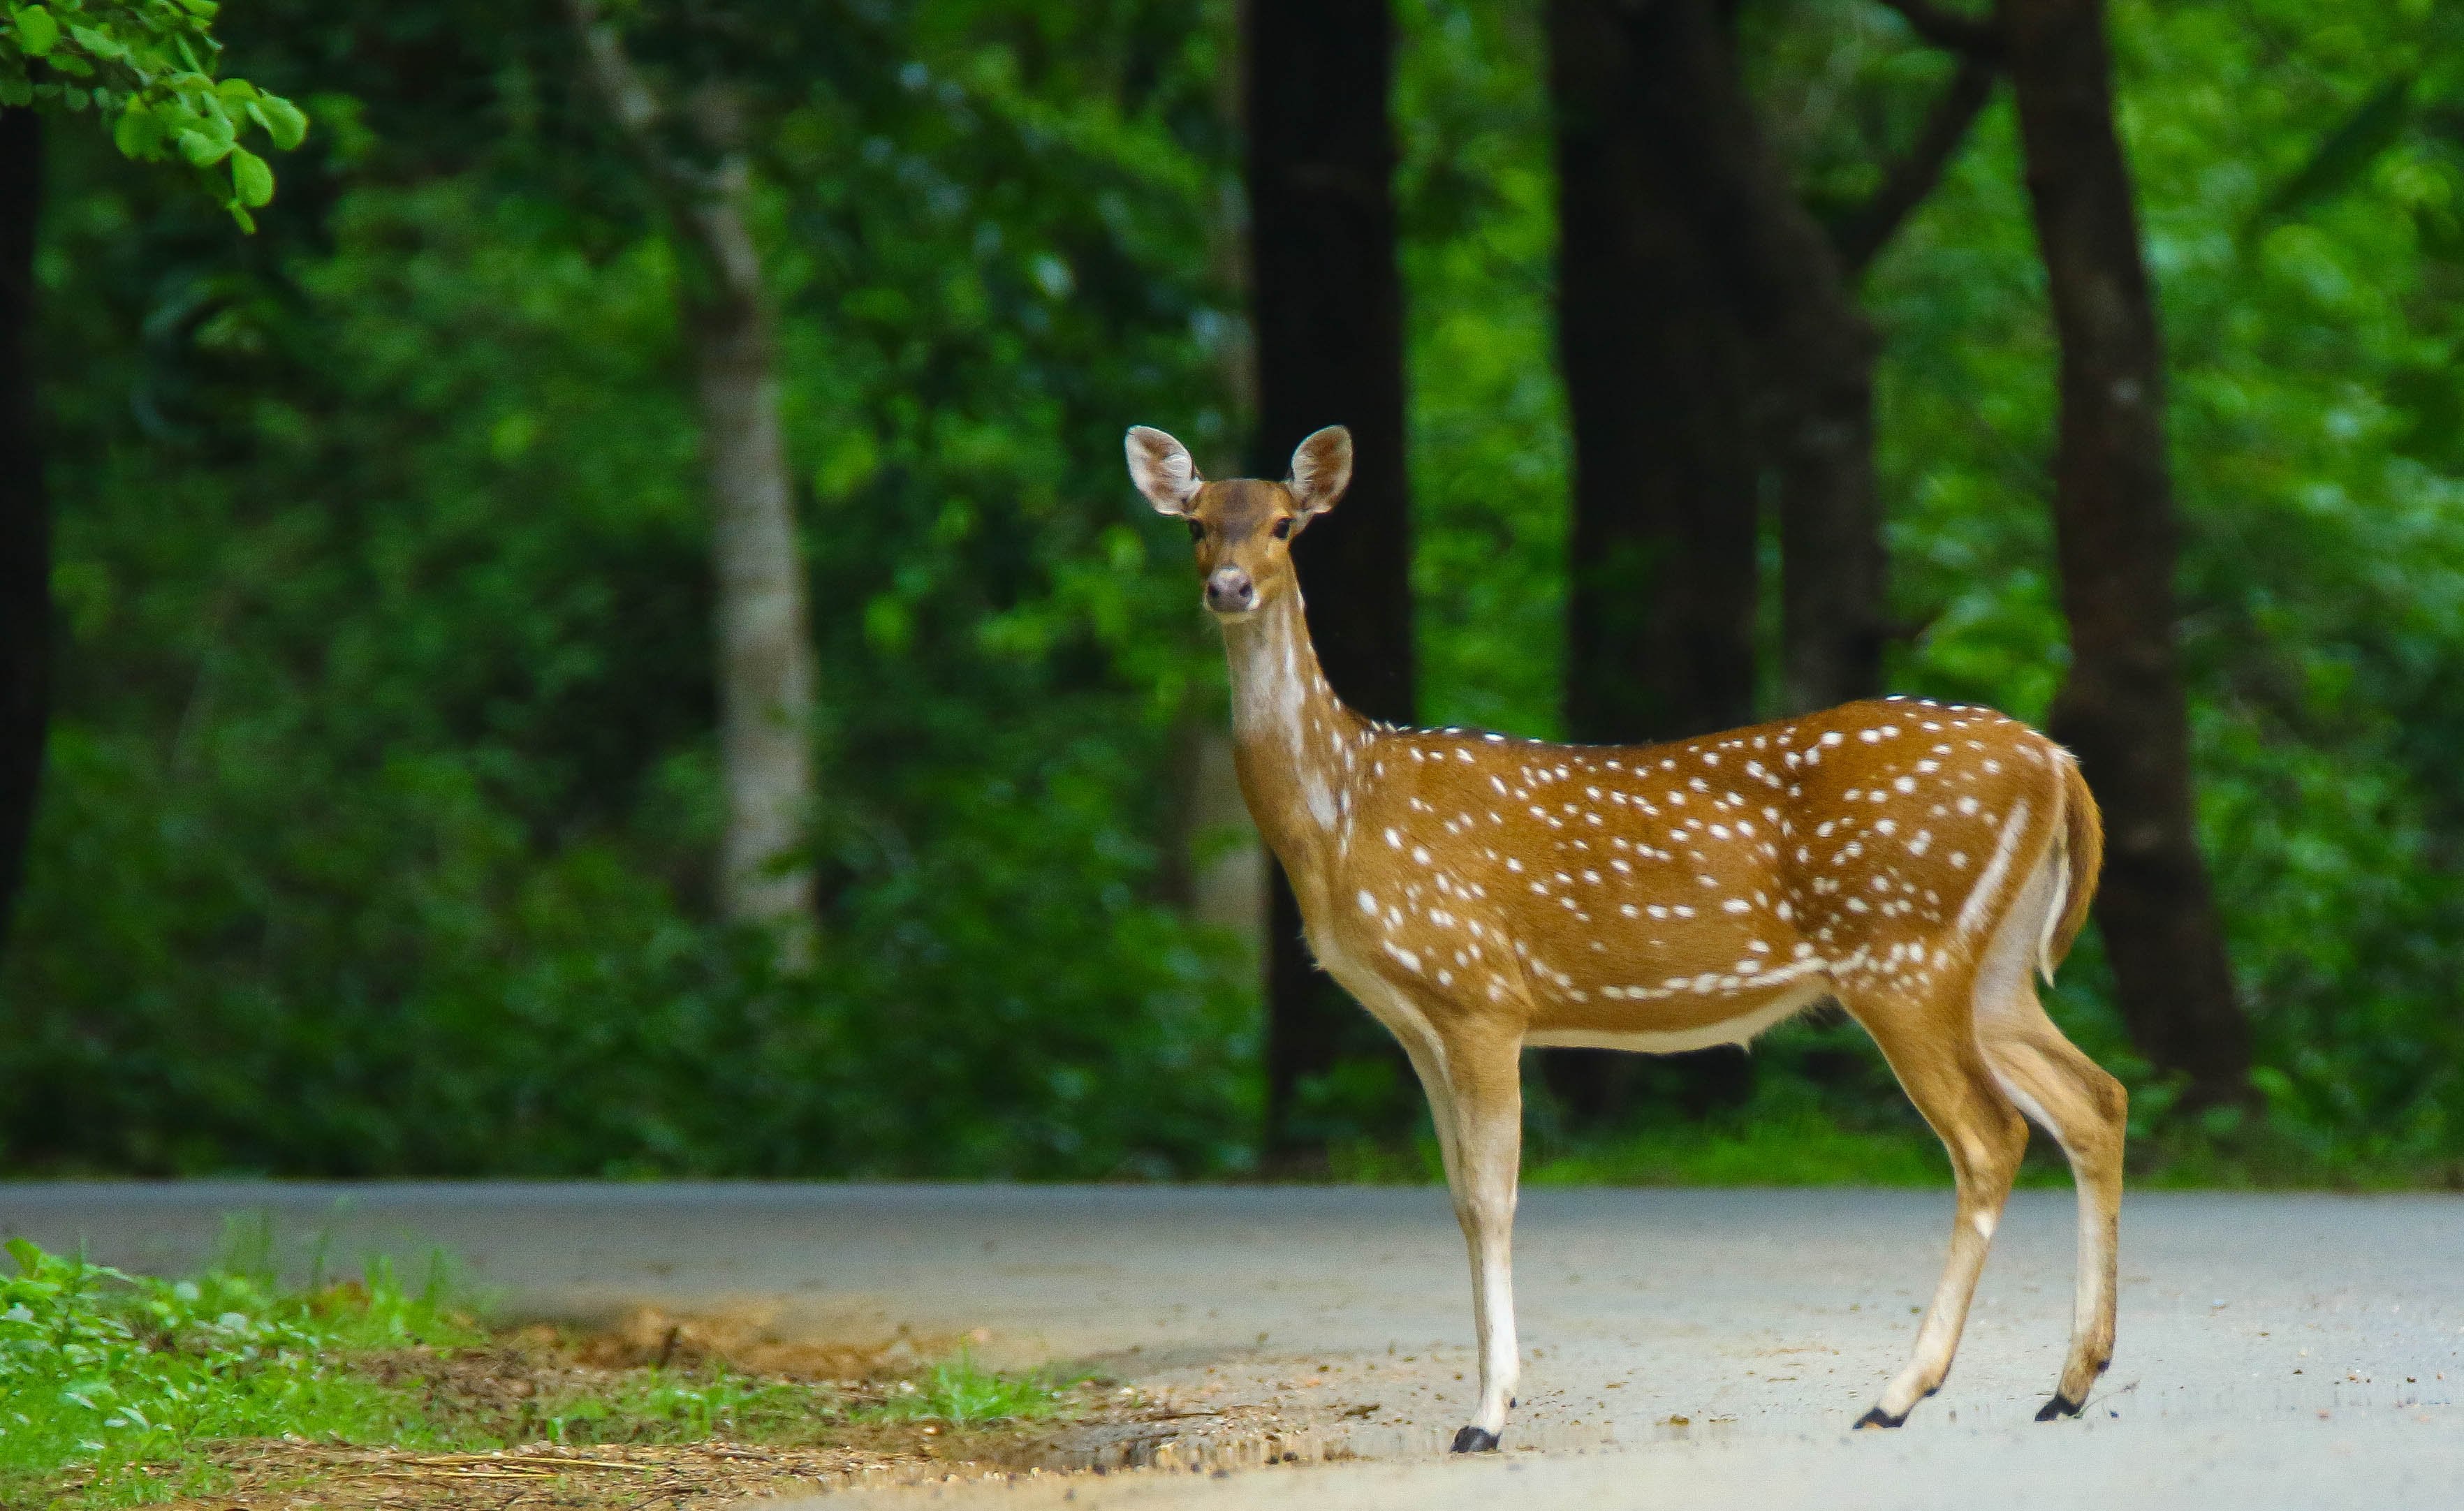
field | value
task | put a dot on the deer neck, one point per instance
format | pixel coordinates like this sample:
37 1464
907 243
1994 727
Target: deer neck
1295 745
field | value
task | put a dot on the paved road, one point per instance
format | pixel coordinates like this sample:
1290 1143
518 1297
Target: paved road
2414 1461
1766 1320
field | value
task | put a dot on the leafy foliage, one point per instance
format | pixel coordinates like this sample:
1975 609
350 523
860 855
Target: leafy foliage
147 67
383 775
432 445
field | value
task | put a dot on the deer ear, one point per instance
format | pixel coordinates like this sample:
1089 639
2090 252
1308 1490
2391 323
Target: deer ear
1321 469
1161 467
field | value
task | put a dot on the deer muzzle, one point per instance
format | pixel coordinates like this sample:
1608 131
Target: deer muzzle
1229 591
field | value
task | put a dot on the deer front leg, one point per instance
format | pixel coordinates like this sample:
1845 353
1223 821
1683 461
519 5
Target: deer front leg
1476 1100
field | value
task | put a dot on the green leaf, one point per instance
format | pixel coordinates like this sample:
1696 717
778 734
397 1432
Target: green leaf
37 34
284 123
210 123
201 150
98 44
252 178
137 133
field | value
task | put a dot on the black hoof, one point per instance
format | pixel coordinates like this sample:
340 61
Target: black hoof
1878 1417
1475 1441
2059 1407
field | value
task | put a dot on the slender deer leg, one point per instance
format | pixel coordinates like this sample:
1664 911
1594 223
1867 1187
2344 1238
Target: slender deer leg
2087 1112
1945 1074
1428 1064
1481 1088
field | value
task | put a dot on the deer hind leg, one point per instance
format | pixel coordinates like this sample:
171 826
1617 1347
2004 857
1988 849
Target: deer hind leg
2072 1098
1475 1086
1944 1072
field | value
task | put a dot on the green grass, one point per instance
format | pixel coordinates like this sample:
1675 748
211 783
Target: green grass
1796 1151
1800 1150
649 1406
106 1378
115 1388
1804 1146
958 1393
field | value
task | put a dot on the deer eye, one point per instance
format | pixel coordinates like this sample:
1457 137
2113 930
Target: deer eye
1283 528
1196 531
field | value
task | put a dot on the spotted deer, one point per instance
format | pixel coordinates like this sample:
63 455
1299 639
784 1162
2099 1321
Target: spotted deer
1919 863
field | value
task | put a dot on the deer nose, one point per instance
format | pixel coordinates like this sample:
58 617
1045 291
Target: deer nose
1229 591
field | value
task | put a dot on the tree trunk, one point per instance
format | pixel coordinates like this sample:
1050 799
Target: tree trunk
764 640
1215 867
1661 579
1713 348
25 514
1709 335
765 645
1820 368
1327 303
1814 361
1820 350
1662 575
2123 709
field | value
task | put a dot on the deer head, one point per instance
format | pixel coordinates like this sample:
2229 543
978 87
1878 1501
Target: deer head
1244 528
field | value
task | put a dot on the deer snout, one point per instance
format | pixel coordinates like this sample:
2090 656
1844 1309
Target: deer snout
1229 591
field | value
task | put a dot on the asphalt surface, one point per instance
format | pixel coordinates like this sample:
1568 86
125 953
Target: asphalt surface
2415 1462
1682 1346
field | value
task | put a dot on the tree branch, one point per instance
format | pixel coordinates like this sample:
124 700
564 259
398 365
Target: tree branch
1870 228
706 202
1971 37
634 105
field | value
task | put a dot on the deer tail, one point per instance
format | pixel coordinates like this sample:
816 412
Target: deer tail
2079 855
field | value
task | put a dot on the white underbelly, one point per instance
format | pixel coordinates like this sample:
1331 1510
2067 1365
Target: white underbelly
1735 1030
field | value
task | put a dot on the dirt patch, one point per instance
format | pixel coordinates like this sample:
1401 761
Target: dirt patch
658 1410
749 1338
667 1411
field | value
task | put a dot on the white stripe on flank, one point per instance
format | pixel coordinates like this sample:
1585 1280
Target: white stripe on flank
2061 848
1971 916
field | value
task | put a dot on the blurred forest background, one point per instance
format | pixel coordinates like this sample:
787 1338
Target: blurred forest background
382 796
